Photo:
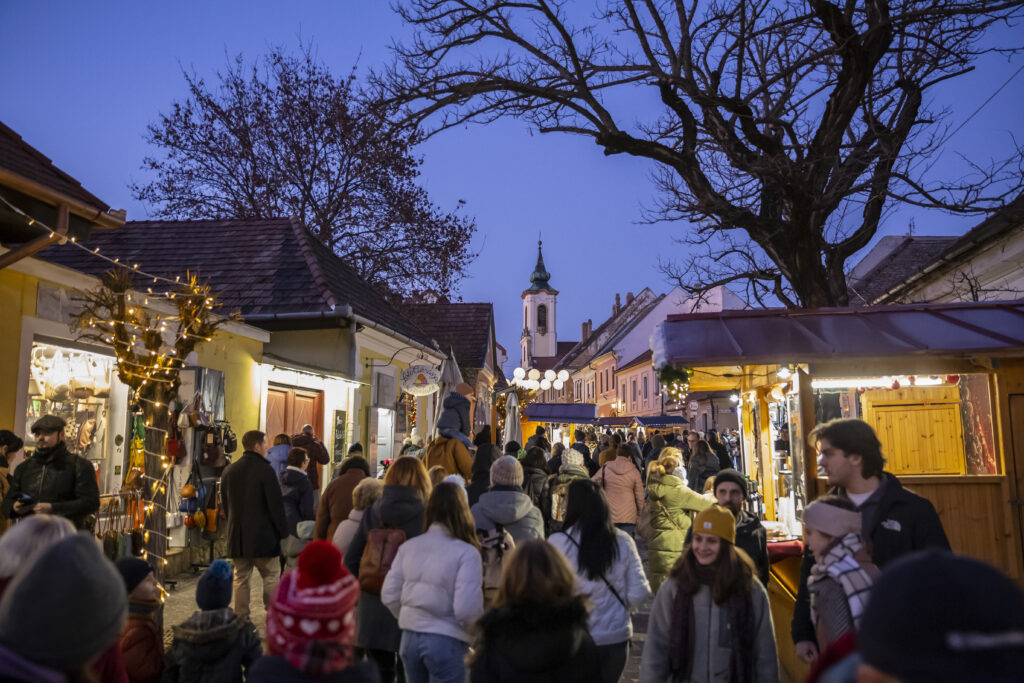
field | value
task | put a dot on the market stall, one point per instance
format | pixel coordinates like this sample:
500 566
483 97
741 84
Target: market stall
942 385
559 419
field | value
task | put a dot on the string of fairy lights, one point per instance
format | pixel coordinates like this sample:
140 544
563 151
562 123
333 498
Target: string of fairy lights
144 323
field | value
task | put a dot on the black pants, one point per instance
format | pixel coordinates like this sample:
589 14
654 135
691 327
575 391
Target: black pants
612 661
388 663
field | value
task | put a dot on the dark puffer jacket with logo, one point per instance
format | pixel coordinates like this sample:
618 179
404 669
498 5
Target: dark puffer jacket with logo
58 477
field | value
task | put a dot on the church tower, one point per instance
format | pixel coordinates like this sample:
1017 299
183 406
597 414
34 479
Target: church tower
539 338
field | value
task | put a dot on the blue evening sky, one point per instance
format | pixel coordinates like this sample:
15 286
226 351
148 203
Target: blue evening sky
83 79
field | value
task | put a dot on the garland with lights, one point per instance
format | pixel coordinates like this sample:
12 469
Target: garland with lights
150 366
675 382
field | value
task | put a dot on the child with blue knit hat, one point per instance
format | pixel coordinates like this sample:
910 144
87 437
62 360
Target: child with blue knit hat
214 644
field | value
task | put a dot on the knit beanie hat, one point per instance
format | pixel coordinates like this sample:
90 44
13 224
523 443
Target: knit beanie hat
214 588
733 476
572 457
66 607
506 471
657 442
311 622
717 521
933 616
834 521
133 571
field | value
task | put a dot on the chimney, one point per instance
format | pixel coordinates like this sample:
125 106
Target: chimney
585 331
629 298
618 305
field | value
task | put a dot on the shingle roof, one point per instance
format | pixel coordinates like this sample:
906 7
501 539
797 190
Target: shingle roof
908 258
256 266
549 362
644 357
465 327
19 157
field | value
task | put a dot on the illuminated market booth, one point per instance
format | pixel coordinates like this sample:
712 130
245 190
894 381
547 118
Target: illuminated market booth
559 419
942 385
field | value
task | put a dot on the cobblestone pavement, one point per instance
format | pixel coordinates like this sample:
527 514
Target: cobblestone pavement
181 603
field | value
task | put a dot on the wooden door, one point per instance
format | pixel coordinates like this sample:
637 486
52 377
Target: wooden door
1015 460
289 409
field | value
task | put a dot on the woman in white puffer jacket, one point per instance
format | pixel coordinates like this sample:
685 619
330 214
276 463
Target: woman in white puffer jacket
608 570
435 589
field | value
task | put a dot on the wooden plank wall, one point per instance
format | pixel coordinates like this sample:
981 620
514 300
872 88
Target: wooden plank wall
976 515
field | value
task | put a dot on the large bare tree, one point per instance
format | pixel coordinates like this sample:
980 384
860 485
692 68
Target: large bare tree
286 137
782 129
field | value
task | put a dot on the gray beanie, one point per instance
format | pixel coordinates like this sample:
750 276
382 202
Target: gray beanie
506 471
66 607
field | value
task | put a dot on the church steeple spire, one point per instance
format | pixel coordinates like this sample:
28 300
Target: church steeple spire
540 276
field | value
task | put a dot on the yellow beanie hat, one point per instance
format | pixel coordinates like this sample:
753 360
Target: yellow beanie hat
717 521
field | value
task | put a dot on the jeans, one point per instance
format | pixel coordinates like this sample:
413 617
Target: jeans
270 571
433 658
612 659
628 528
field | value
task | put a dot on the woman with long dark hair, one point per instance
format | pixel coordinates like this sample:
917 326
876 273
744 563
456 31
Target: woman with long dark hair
536 629
401 506
434 590
608 571
710 620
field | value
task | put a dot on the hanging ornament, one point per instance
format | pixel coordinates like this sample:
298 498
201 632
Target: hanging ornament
952 379
895 384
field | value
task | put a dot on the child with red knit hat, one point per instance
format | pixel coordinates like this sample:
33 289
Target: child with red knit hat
311 624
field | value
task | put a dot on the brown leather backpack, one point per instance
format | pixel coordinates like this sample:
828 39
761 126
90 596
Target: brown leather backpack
381 547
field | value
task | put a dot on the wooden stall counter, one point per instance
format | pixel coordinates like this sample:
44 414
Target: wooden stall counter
785 557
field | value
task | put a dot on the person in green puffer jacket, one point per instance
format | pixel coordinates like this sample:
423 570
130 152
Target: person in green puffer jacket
672 503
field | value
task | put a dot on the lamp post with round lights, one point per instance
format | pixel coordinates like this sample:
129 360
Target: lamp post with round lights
534 380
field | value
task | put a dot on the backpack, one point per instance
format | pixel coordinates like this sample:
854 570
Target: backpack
495 544
381 547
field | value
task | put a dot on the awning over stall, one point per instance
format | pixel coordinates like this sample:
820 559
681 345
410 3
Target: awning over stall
661 421
782 335
615 421
573 413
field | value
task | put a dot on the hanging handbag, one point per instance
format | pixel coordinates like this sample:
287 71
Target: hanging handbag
230 440
213 453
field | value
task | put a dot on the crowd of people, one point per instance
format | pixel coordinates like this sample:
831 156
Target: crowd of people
477 563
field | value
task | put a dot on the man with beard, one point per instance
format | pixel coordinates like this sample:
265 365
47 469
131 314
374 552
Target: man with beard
53 481
751 537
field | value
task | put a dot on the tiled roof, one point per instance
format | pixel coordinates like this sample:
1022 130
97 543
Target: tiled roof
19 157
255 266
908 258
465 327
549 362
644 357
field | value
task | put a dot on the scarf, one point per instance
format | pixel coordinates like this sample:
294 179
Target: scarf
841 565
737 609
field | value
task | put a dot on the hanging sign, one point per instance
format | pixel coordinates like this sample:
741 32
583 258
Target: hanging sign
420 380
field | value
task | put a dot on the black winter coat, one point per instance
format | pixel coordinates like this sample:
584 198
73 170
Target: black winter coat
213 646
904 522
251 498
276 669
60 478
540 644
297 491
399 507
485 456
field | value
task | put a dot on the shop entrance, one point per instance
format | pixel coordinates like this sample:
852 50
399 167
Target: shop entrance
385 434
289 409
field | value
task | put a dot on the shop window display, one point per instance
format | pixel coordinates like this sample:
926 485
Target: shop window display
76 385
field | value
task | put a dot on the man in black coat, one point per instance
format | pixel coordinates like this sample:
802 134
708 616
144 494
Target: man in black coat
318 457
53 481
251 499
896 521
